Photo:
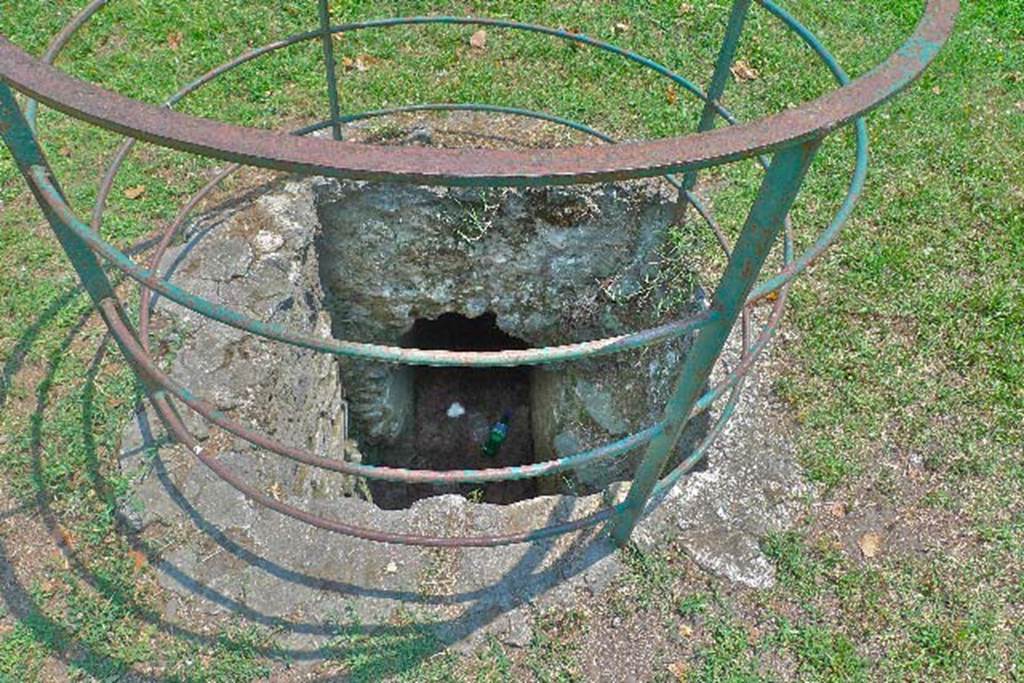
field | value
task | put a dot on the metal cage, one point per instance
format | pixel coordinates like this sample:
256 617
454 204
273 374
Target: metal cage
784 143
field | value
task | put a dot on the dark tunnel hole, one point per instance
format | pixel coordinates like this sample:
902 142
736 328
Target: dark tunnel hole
454 410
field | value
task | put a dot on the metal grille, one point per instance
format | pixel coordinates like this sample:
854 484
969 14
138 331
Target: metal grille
785 144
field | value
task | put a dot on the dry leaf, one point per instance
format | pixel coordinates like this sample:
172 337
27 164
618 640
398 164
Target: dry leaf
174 39
360 63
838 510
685 631
679 670
479 40
742 71
135 192
139 558
672 96
870 544
67 539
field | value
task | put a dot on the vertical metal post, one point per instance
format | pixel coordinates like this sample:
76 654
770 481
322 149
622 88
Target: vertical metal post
330 68
27 154
767 216
20 140
720 78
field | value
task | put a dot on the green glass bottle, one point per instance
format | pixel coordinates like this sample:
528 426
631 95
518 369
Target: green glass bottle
497 435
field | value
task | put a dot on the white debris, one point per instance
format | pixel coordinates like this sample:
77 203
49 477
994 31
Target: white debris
268 242
456 410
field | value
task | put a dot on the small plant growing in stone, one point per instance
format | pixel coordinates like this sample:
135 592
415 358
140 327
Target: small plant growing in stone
569 486
478 220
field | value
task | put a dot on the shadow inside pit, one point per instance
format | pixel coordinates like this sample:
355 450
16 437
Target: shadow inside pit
454 411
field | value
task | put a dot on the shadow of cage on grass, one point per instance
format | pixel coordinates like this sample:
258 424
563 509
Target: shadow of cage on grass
98 615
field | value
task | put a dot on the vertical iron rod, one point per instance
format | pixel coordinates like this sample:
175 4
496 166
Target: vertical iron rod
330 68
20 139
27 153
766 218
720 79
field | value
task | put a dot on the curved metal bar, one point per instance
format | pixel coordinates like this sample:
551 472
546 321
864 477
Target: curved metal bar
478 107
860 171
165 383
367 534
182 215
517 111
374 352
481 167
762 291
169 232
750 356
672 478
57 45
111 314
124 149
571 352
122 152
61 40
419 476
300 37
294 39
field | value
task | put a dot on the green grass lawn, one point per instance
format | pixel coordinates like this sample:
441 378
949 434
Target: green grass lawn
905 379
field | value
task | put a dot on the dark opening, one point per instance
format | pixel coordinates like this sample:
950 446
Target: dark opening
454 411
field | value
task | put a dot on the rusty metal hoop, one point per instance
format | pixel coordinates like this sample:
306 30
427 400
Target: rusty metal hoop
791 137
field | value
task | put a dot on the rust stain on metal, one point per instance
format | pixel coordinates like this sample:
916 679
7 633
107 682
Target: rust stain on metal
475 167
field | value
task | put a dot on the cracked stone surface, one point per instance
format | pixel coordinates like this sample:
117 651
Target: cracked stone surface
554 265
221 555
